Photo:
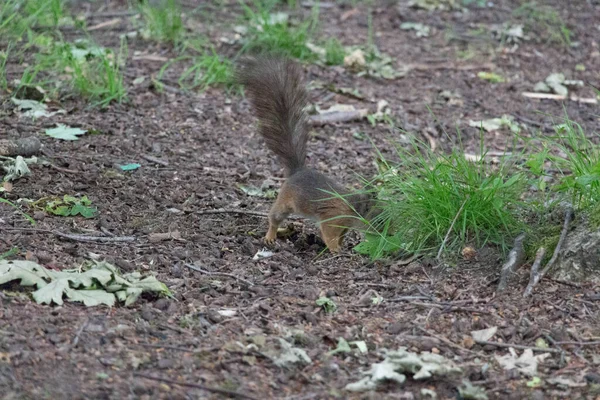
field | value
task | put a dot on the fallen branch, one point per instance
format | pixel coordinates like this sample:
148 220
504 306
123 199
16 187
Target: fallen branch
79 238
338 116
20 147
559 97
536 276
224 274
518 346
515 258
155 160
242 212
225 392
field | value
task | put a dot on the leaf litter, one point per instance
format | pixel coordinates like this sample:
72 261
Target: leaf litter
98 283
399 362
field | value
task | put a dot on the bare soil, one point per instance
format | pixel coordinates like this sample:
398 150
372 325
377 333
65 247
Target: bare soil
210 147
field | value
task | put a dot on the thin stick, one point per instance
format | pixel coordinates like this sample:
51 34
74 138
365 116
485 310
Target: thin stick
242 212
225 392
439 254
518 346
537 276
592 343
446 341
225 274
79 331
79 238
515 258
155 160
449 308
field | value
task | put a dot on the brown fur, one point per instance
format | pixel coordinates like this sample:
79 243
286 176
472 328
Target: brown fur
277 93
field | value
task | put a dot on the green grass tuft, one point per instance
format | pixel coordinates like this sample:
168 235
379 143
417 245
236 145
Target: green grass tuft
273 33
163 22
427 195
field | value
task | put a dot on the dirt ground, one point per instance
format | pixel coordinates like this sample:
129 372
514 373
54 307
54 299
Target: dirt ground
208 146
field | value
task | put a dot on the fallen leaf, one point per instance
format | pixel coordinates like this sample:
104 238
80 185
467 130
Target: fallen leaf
65 132
290 355
485 334
526 363
264 253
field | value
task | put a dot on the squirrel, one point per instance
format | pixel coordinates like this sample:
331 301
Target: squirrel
279 98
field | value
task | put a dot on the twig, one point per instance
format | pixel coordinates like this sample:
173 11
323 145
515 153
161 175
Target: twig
407 298
559 97
338 116
518 346
61 169
446 341
242 212
537 276
225 392
515 258
592 343
450 308
155 160
439 254
79 238
224 274
79 331
106 24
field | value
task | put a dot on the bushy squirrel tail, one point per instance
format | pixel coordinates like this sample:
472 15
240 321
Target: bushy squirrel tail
276 90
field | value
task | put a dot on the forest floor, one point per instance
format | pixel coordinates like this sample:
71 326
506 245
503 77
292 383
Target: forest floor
222 330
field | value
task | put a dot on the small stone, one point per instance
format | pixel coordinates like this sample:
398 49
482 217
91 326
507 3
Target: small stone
165 363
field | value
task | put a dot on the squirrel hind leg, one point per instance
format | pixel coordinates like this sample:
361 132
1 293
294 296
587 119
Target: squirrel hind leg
333 236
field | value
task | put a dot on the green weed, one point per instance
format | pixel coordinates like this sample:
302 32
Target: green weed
545 19
163 22
273 33
89 70
579 163
17 17
334 52
208 69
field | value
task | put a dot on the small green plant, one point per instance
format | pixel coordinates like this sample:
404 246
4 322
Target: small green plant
208 70
3 61
18 17
328 305
68 206
162 21
429 200
89 70
547 20
273 33
580 163
334 52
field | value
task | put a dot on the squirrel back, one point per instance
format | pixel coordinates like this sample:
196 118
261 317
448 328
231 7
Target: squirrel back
277 93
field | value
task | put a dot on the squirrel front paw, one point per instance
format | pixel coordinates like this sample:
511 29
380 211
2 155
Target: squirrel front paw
269 240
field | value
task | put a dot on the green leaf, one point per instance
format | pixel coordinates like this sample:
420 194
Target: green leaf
491 77
151 284
328 305
132 295
129 167
87 278
52 292
342 347
65 132
28 272
91 298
